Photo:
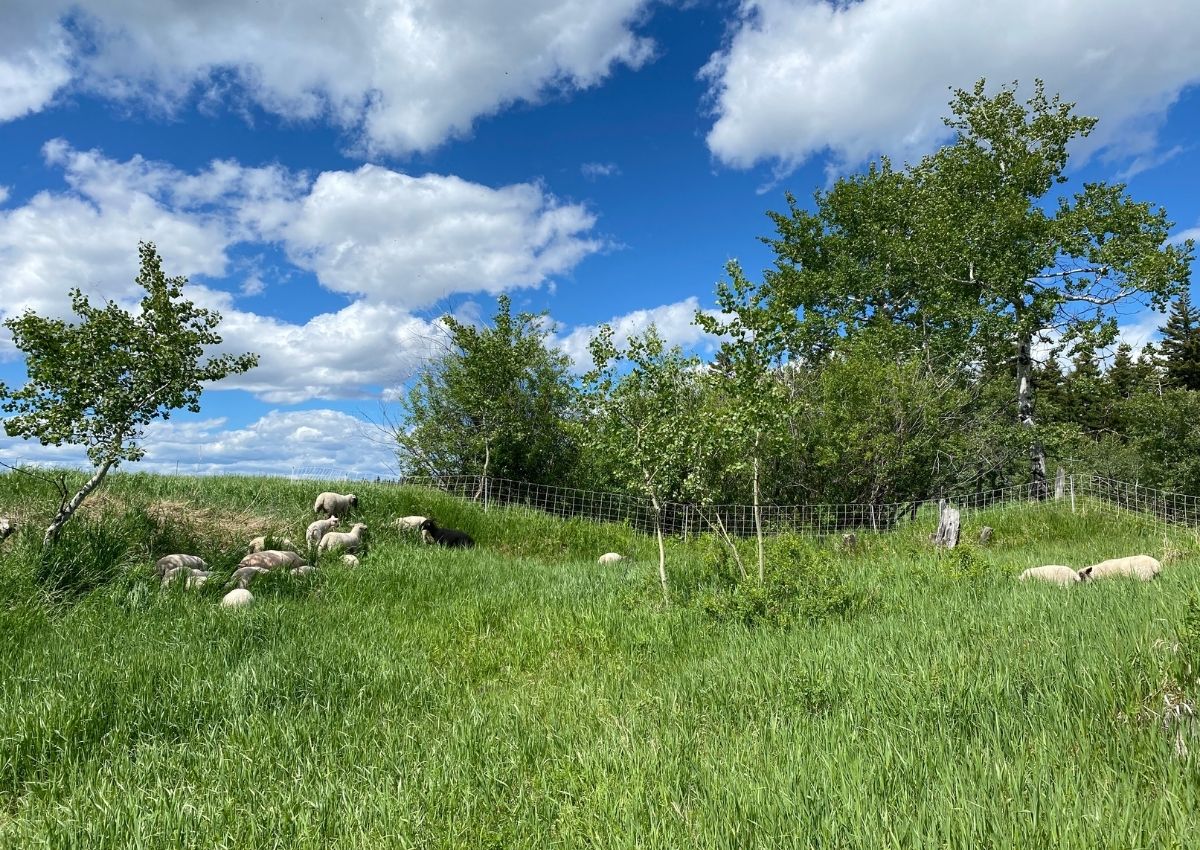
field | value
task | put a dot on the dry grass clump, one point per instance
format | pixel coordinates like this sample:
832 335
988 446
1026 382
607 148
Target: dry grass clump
229 528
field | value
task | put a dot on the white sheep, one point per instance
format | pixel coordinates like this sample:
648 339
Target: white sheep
195 578
335 504
169 562
271 559
1141 567
610 558
319 529
349 541
1056 574
7 527
259 544
301 572
238 598
408 523
243 576
350 560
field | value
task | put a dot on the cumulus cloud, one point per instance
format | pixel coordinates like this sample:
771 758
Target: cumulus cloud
801 77
675 323
402 74
1182 236
392 242
275 444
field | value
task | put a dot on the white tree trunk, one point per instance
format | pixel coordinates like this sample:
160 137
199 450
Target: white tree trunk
762 563
662 552
68 510
1037 454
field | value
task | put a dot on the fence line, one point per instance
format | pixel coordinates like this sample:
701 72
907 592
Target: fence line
682 519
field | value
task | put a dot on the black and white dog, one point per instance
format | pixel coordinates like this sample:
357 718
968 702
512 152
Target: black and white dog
445 536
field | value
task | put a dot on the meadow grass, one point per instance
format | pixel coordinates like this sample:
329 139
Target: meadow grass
521 696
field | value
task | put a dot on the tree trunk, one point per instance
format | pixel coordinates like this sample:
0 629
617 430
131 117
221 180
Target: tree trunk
662 552
762 564
1037 454
68 510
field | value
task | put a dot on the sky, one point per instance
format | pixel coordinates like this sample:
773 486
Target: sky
333 178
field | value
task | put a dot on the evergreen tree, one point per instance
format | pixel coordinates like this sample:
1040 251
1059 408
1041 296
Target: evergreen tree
1122 375
1181 344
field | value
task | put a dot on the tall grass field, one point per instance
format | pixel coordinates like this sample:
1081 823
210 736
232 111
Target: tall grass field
521 696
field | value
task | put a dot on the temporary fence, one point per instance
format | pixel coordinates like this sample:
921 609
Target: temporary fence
1090 492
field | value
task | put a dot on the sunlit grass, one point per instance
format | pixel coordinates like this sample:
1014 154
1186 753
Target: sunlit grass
522 696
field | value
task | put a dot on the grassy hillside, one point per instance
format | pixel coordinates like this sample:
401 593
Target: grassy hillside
521 696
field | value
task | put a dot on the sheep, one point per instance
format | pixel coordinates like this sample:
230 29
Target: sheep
7 527
271 559
408 523
302 572
335 504
1057 574
1141 567
319 529
168 562
238 598
195 579
242 576
350 560
259 544
610 558
350 541
445 536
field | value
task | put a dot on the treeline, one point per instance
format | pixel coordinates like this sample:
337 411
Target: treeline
924 330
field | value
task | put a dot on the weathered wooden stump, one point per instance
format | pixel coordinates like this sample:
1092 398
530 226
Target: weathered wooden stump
949 520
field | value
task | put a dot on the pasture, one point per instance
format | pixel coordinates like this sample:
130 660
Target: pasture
520 696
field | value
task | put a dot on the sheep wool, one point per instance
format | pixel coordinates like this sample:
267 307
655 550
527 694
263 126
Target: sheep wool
347 541
408 523
242 576
1053 573
7 527
169 562
335 504
319 529
610 558
350 560
1141 567
259 544
271 559
238 598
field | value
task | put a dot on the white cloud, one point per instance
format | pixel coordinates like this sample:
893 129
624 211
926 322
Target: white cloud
273 445
799 77
675 323
1182 236
3 193
404 74
393 242
594 170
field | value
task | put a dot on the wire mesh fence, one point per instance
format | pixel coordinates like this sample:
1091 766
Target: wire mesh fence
1081 492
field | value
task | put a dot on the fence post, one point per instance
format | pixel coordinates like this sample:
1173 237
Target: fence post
1072 492
485 493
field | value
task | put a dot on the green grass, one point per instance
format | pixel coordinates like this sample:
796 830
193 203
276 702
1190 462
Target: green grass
522 696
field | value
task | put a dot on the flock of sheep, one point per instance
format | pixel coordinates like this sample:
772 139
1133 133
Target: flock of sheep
321 536
1141 567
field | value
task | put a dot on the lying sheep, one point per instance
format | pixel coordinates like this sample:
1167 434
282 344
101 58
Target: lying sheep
319 529
259 544
1057 574
168 562
1141 567
350 560
348 541
335 504
271 559
445 536
195 579
610 558
238 598
7 527
302 572
242 576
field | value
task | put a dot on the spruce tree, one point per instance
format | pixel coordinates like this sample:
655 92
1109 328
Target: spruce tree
1181 344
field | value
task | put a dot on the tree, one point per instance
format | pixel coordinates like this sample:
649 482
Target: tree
498 402
964 252
1181 344
100 382
643 405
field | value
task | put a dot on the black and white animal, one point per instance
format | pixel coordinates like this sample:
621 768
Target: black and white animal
445 536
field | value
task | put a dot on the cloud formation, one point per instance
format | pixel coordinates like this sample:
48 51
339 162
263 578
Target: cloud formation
675 324
798 78
401 75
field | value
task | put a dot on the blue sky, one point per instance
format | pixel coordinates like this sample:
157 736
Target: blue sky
334 177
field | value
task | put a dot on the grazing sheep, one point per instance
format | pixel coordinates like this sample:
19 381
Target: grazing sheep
1141 567
350 560
610 558
408 523
259 544
238 598
168 562
195 578
7 527
271 559
335 504
446 536
242 576
349 541
319 529
1057 574
302 572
